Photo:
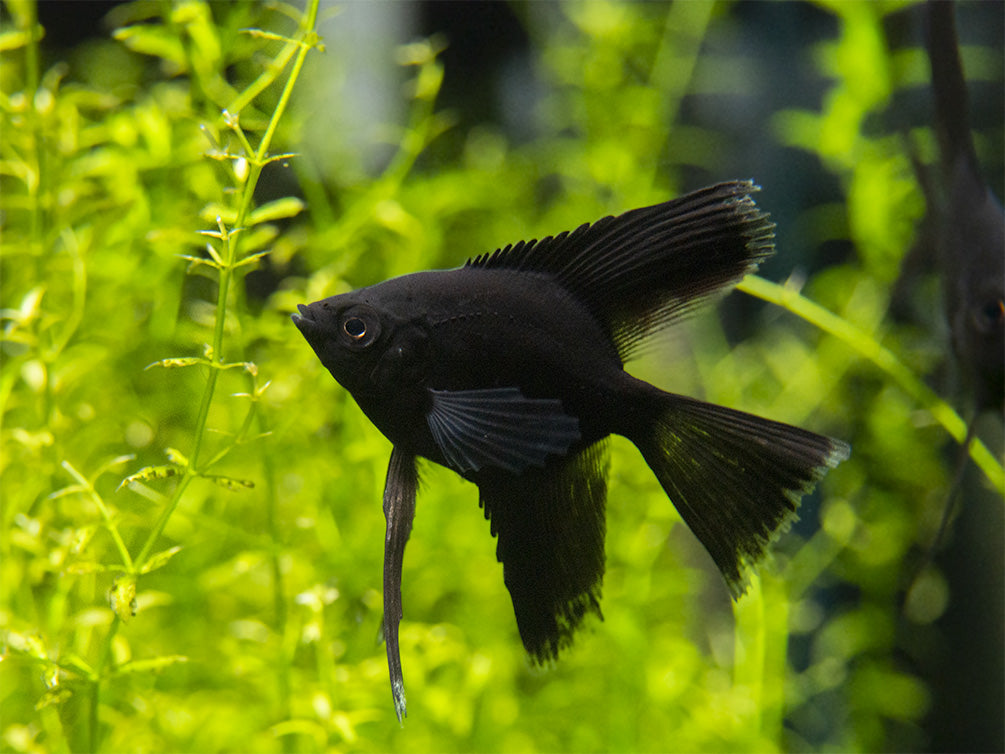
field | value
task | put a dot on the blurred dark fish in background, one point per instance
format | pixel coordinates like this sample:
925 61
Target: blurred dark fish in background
968 232
963 238
509 371
961 241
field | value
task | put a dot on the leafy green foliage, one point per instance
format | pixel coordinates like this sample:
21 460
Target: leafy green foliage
190 538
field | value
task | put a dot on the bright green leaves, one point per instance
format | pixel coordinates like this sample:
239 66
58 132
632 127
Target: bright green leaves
151 473
85 486
14 39
105 181
280 209
185 40
17 322
156 41
179 465
235 244
620 73
190 361
858 62
258 232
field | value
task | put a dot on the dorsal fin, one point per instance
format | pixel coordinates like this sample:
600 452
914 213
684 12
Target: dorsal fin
641 270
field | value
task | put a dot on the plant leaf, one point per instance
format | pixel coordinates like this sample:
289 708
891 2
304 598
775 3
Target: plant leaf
180 361
154 663
147 473
230 483
252 258
175 456
150 39
122 597
289 206
11 40
160 559
84 567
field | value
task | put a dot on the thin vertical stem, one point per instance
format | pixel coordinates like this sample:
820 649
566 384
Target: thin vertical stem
230 257
99 669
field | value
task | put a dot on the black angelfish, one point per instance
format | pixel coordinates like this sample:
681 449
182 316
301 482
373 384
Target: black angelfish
963 238
509 370
967 224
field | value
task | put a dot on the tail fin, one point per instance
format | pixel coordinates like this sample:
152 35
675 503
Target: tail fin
736 479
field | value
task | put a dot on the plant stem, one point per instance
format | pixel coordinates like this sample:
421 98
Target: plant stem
158 529
120 545
230 240
99 669
31 76
284 657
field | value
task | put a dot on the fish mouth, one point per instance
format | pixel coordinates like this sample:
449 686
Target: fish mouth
302 318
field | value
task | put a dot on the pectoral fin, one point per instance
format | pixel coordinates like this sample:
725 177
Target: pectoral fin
499 428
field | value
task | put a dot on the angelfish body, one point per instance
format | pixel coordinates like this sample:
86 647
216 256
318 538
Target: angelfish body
475 329
510 371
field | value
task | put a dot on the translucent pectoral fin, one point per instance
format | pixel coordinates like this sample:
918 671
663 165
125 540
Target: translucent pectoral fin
499 428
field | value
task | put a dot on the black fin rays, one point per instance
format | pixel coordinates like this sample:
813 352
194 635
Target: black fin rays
736 479
499 428
550 523
643 269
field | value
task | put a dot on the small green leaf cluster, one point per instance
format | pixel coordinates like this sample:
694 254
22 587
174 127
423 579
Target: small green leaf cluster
104 185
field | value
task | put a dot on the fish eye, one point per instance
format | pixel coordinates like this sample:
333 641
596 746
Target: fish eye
355 328
359 327
989 315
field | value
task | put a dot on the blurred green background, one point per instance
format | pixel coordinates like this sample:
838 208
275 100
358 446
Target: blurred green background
191 532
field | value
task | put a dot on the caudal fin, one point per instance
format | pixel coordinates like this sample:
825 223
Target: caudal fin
736 479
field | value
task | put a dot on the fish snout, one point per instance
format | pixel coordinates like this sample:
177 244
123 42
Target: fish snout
303 319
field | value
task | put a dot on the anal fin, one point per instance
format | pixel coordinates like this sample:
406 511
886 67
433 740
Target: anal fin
550 523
